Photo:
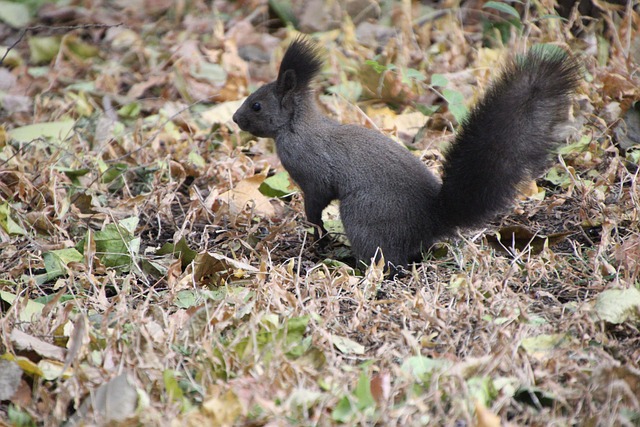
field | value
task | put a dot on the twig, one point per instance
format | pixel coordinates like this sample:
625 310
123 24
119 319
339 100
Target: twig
55 28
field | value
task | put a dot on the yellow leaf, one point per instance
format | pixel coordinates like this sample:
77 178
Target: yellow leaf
25 364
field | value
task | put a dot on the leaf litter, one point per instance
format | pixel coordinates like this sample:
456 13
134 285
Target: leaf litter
156 266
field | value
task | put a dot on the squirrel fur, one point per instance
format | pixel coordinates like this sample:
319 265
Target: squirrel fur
389 200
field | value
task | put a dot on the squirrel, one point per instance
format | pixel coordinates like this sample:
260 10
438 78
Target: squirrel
389 200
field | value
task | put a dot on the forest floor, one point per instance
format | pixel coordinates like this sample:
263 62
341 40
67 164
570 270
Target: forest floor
156 267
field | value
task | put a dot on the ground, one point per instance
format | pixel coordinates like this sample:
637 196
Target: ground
155 263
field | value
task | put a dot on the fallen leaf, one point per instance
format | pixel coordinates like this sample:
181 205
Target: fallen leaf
381 387
422 366
208 264
619 305
484 417
278 185
347 346
57 131
26 342
44 49
247 193
14 14
540 346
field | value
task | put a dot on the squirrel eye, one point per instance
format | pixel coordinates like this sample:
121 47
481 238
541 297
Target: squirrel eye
256 106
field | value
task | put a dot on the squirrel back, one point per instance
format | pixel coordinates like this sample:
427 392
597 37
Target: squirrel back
389 200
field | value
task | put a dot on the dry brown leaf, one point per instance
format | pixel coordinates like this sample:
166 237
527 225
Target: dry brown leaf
247 193
23 341
381 387
78 341
208 264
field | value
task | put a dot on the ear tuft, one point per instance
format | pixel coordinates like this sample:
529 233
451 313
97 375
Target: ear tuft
302 60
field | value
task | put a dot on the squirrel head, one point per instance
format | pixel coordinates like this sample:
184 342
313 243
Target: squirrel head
277 105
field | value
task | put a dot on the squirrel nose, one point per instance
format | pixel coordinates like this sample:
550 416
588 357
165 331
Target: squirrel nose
235 117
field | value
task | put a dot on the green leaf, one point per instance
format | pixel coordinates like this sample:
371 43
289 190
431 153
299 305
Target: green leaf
32 308
456 103
413 74
343 412
427 110
15 15
114 246
421 367
557 175
502 7
349 90
196 159
55 262
130 111
278 185
12 59
439 80
56 131
43 49
577 147
284 10
73 174
39 71
541 345
363 392
296 343
174 392
347 346
304 398
482 389
9 225
130 223
187 299
377 67
180 250
81 49
619 305
111 172
213 73
289 335
17 416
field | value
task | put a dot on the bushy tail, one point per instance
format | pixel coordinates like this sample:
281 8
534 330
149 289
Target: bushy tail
506 138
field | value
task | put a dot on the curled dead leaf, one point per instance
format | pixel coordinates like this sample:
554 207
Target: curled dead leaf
210 264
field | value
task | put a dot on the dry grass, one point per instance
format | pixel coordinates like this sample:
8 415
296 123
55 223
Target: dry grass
264 327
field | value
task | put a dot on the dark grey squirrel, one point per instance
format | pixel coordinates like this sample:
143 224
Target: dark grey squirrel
388 197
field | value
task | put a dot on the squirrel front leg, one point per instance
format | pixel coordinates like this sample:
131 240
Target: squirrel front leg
314 204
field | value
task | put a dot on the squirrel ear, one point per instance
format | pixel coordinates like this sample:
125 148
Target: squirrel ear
287 82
